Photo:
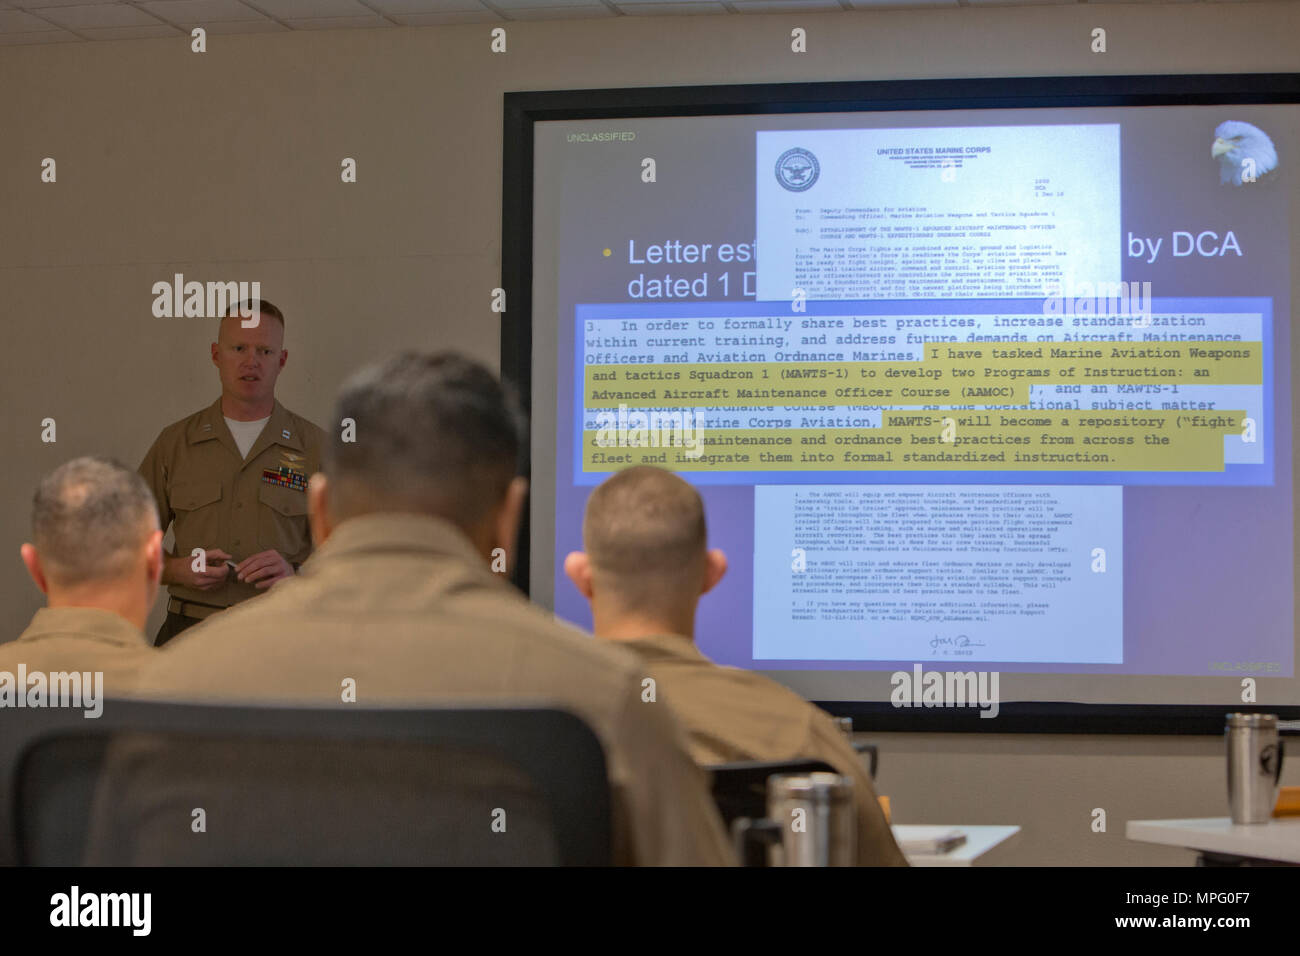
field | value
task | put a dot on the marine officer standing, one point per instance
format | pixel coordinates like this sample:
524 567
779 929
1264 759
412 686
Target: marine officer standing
233 478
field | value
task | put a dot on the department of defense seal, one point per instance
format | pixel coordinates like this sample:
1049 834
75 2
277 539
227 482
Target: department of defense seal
797 169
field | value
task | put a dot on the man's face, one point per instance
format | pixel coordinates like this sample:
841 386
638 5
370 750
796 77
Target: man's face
249 360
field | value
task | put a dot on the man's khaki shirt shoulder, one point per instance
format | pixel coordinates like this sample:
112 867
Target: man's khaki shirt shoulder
86 640
733 715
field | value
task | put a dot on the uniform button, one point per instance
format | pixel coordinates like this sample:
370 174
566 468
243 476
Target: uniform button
239 504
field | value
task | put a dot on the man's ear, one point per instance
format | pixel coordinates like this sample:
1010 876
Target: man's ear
33 562
153 558
215 350
715 566
318 517
578 568
510 515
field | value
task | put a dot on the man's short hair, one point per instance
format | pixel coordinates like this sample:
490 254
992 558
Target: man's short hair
435 434
249 307
90 517
645 535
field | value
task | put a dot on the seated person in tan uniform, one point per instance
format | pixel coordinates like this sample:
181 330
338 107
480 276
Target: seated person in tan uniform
400 598
646 566
96 555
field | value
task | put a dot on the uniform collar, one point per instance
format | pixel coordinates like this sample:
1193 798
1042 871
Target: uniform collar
282 429
664 647
91 622
210 425
394 531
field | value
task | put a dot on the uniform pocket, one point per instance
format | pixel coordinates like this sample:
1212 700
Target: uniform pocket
282 520
196 506
192 495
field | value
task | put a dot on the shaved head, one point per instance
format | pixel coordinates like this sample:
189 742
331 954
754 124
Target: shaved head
436 434
250 307
645 536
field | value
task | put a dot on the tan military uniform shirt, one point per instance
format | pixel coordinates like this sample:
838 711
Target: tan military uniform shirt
220 499
732 714
81 639
405 606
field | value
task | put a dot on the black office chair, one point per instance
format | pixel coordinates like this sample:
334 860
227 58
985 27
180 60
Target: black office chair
740 789
871 753
165 783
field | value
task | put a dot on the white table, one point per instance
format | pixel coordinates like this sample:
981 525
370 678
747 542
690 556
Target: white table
1279 839
979 840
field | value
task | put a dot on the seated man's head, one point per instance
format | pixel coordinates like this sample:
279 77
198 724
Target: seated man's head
424 434
95 538
647 560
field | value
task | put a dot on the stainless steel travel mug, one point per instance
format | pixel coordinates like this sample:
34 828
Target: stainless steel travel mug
1254 766
817 821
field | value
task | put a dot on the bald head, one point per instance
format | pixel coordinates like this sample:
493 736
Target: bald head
646 538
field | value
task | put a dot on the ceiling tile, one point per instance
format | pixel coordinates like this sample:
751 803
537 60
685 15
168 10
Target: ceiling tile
230 27
200 12
669 9
40 21
100 15
581 11
339 23
44 36
510 6
41 4
878 4
15 21
786 6
312 9
442 19
427 6
142 32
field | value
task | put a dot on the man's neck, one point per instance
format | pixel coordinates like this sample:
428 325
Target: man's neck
115 600
633 627
246 411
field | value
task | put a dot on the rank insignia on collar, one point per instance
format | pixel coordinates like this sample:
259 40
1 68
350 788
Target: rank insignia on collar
284 433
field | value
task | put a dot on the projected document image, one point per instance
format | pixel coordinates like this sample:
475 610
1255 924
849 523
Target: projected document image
977 572
738 392
978 393
939 572
948 213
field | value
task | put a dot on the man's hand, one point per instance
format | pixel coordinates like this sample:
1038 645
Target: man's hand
180 570
264 569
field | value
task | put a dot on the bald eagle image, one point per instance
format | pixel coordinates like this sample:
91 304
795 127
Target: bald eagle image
797 172
1234 143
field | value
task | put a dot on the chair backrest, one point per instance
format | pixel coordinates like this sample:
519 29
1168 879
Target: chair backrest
872 754
166 783
740 789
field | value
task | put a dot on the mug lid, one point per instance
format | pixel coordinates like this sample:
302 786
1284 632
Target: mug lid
1258 721
817 783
